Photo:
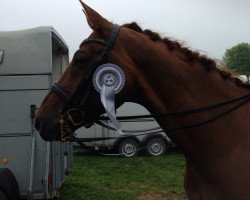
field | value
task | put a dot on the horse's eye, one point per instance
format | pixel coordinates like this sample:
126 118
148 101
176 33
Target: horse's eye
79 62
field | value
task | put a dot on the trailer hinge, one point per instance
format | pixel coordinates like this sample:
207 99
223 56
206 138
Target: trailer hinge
1 55
33 110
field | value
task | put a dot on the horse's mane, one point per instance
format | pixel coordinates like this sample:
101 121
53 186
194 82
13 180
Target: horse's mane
190 55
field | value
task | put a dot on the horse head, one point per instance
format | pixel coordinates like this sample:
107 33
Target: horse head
74 99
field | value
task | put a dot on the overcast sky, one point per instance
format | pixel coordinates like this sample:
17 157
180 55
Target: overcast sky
210 26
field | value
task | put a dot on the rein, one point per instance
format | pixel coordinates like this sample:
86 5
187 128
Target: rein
246 99
181 113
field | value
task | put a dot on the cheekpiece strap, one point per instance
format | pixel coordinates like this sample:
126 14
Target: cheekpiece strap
114 34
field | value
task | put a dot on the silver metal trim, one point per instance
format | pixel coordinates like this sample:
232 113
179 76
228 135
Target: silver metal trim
71 119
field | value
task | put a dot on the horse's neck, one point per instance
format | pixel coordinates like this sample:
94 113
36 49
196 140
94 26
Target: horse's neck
172 85
175 84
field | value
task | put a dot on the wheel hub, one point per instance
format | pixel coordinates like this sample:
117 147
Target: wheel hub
155 147
129 148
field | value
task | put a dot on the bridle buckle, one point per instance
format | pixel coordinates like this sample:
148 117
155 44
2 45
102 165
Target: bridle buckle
73 114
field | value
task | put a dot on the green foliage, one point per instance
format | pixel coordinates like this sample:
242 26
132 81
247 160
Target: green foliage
237 58
115 178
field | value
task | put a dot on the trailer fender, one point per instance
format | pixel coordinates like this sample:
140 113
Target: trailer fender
8 184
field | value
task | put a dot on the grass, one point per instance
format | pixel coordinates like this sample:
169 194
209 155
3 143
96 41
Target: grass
115 178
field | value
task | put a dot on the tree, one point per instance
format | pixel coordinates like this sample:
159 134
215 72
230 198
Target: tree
237 59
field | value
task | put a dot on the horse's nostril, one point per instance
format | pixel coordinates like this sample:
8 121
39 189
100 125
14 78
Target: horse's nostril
37 124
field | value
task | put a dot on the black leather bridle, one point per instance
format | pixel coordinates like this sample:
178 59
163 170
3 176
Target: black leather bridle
74 113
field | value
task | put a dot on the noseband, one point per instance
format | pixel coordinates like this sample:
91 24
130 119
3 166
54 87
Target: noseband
74 111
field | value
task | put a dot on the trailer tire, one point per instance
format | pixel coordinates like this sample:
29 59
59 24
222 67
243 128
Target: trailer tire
3 195
155 147
128 148
9 189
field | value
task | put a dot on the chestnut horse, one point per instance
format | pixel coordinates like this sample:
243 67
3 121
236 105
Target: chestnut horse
164 76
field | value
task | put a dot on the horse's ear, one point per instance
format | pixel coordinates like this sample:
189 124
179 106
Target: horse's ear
95 20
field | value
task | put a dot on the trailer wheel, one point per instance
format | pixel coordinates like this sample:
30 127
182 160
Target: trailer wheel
155 147
128 148
3 196
9 189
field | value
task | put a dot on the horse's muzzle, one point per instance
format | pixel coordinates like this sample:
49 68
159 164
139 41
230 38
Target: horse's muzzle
48 129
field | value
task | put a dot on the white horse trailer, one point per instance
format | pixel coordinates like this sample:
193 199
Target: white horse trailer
30 61
152 144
